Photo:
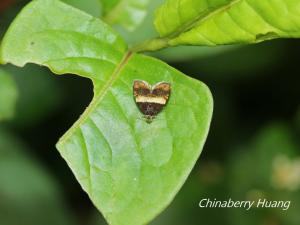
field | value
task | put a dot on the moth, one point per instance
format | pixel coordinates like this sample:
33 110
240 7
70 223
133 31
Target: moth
151 99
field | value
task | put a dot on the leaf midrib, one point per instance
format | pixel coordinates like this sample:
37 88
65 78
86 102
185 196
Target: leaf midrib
200 19
97 98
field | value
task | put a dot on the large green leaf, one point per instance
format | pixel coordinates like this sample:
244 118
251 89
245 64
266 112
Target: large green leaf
130 169
8 95
218 22
127 13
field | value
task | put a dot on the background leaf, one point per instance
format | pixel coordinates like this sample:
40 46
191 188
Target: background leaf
210 23
144 27
130 169
127 13
92 7
145 30
8 95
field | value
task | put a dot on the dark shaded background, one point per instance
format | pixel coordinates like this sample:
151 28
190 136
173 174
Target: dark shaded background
252 150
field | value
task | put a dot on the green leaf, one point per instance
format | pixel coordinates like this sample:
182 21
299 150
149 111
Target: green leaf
92 7
146 28
130 169
219 22
127 13
8 95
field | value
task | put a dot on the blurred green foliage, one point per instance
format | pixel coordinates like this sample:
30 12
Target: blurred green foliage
126 13
47 94
28 193
269 167
244 157
92 7
8 95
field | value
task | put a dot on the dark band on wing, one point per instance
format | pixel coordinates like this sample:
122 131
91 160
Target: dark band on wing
151 109
141 88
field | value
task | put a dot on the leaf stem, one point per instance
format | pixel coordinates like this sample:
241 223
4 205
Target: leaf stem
151 45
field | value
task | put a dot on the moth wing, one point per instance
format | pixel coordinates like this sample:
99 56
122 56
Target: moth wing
141 88
162 89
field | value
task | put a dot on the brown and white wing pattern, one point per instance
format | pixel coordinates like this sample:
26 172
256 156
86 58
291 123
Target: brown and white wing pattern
162 91
141 88
151 100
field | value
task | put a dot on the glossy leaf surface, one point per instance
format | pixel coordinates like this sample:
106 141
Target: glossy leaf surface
218 22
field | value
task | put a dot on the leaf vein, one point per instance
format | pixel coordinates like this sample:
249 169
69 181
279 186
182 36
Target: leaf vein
88 165
261 16
200 19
